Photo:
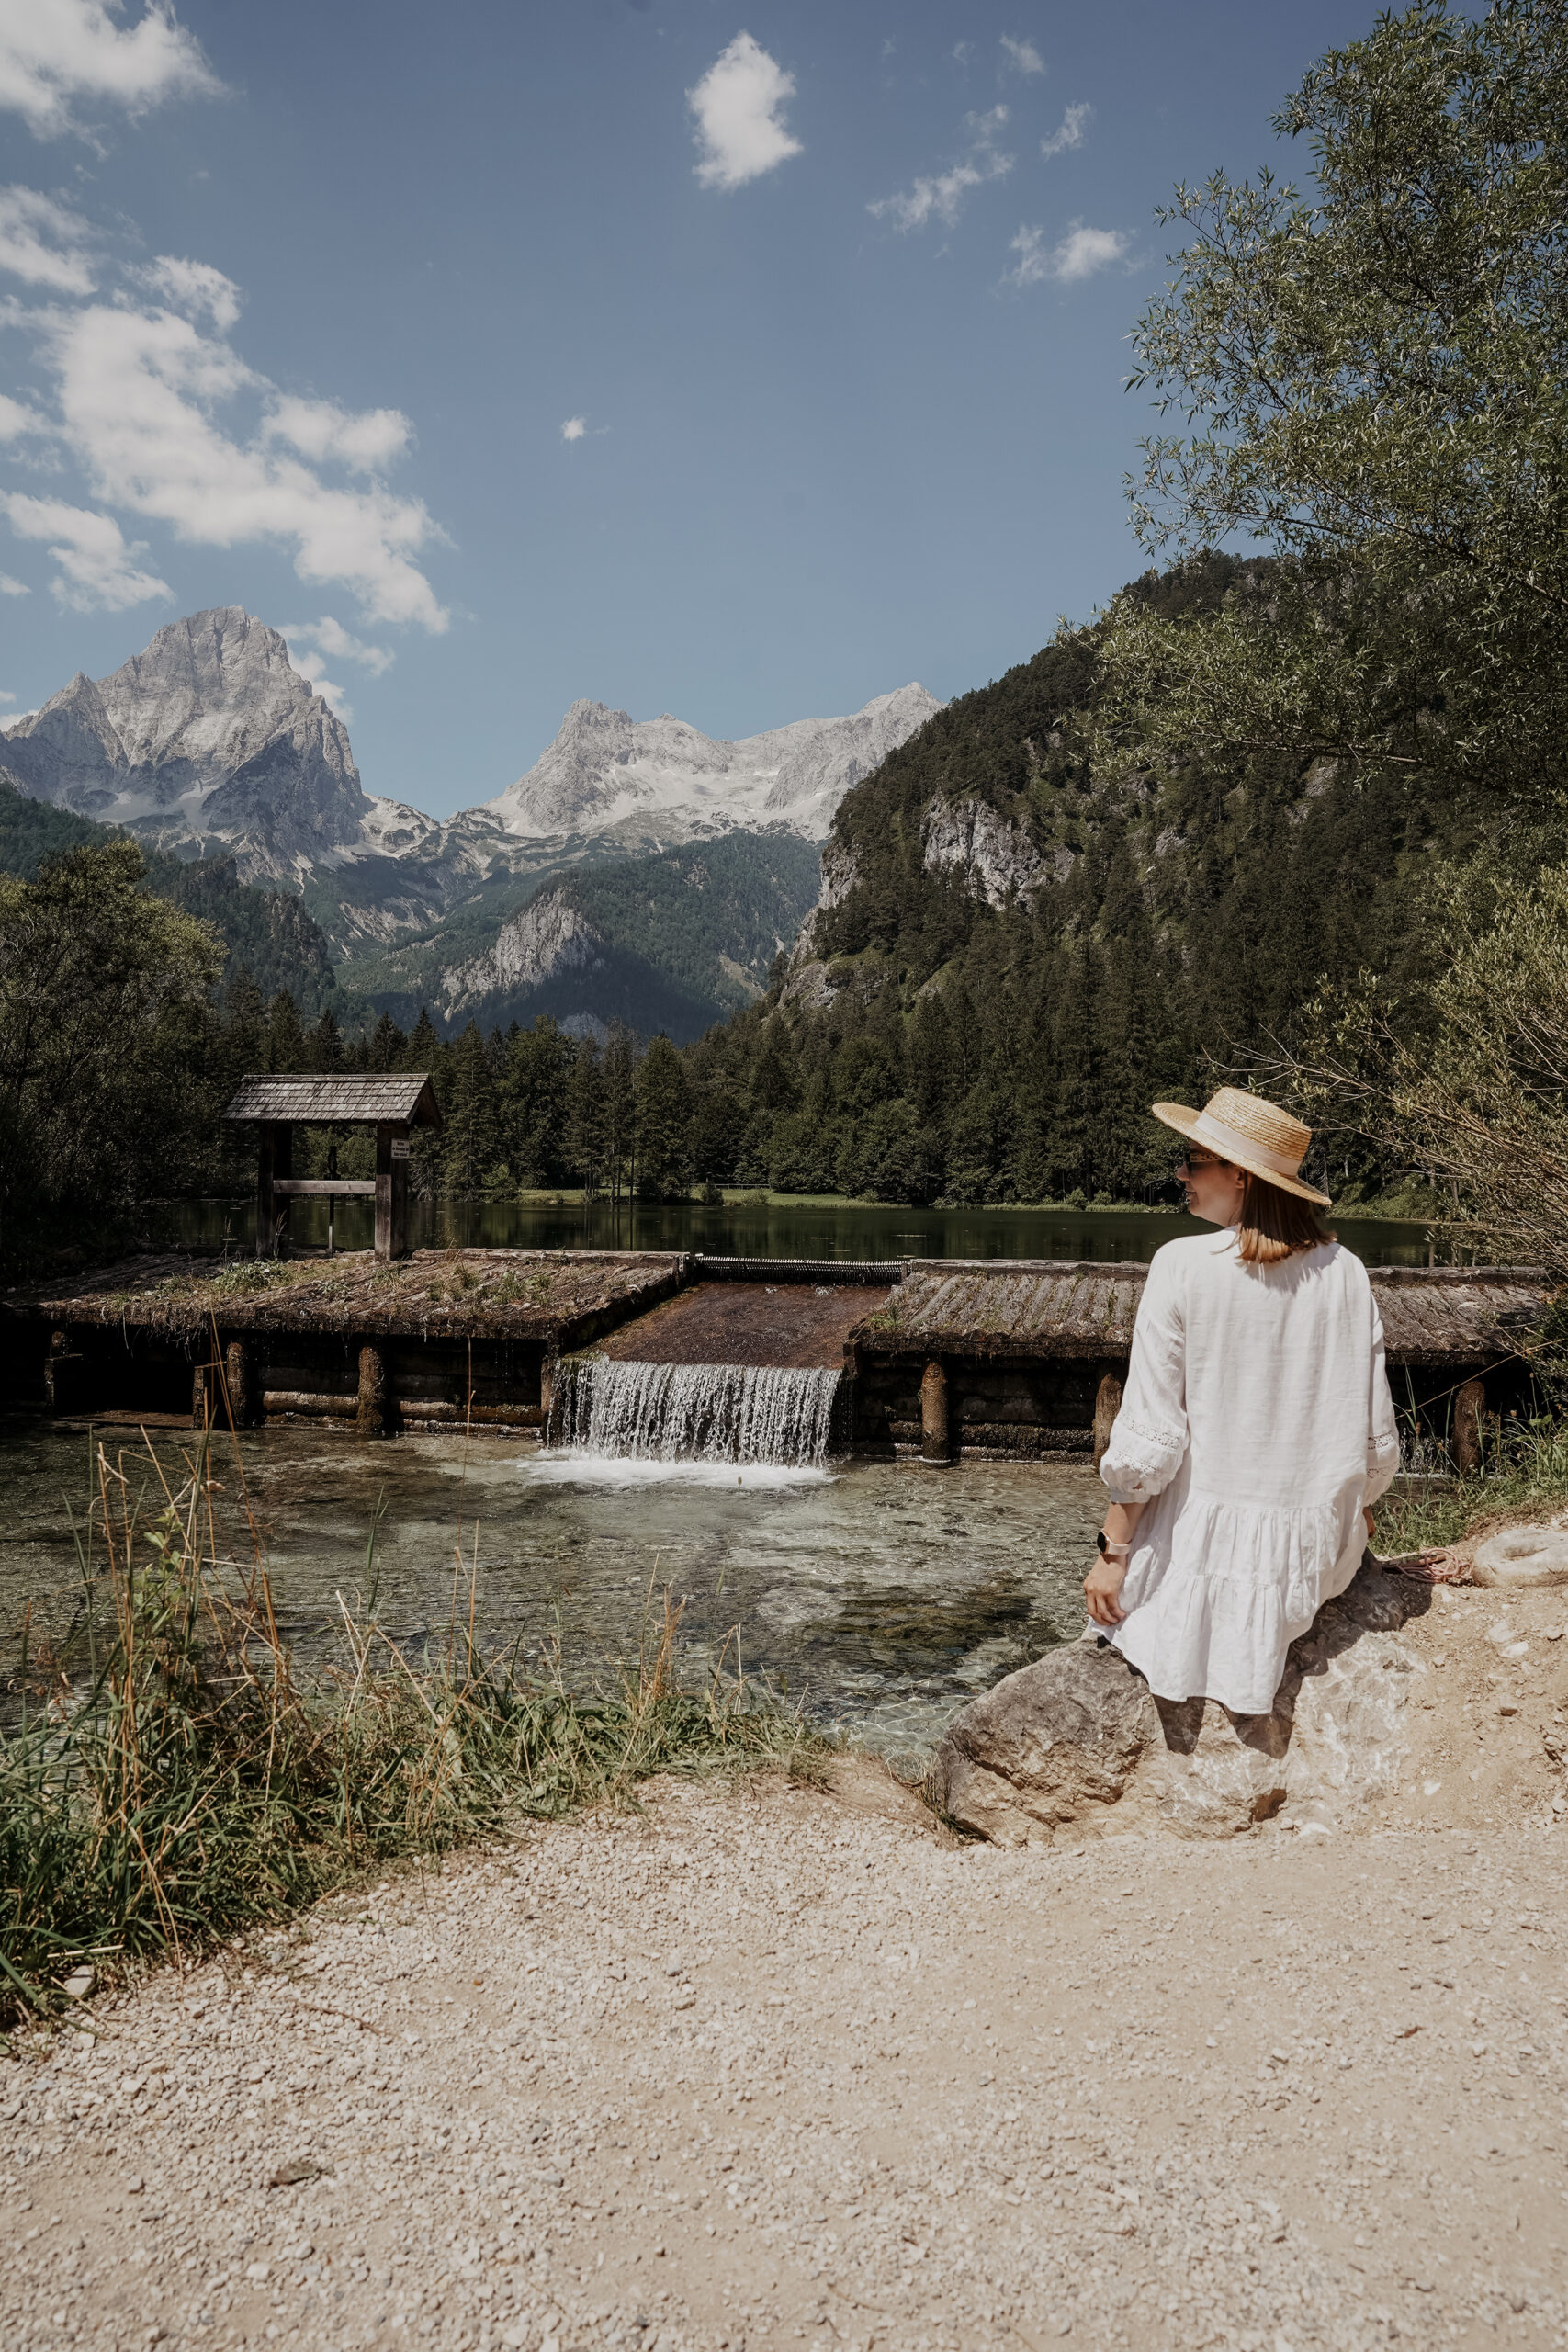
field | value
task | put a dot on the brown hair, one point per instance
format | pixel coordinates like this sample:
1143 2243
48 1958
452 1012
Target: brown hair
1275 1224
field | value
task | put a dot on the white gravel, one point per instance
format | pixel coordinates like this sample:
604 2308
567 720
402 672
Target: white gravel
767 2066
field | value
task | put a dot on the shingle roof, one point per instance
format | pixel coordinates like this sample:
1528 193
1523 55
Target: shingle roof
1023 1308
397 1098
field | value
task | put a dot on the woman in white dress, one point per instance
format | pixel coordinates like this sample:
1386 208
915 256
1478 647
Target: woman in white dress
1256 1428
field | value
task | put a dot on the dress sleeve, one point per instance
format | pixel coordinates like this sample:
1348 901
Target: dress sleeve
1382 1430
1148 1437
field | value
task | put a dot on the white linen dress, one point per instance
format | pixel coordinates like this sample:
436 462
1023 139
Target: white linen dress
1256 1424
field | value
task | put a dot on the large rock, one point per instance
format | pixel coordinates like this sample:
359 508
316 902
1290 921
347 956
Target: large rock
1522 1556
1076 1743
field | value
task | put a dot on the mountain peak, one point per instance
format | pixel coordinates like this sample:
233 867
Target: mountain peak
653 782
210 731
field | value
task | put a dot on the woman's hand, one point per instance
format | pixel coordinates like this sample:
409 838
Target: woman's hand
1102 1588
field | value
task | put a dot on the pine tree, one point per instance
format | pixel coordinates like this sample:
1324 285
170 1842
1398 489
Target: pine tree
532 1093
386 1046
664 1125
469 1144
619 1127
585 1117
286 1046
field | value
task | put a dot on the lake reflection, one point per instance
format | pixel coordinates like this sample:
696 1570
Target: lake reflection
883 1596
853 1229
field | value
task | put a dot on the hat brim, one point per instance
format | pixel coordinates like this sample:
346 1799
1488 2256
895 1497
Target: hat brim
1185 1122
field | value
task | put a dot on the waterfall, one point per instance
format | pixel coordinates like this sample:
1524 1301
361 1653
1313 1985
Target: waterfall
706 1412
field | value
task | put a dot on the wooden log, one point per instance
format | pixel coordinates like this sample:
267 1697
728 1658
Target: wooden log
934 1444
510 1417
1465 1430
1107 1405
240 1383
310 1400
372 1412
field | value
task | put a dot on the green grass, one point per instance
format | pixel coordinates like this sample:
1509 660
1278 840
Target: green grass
1525 1477
177 1780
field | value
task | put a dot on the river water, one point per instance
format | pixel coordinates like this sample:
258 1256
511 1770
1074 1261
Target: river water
744 1228
879 1596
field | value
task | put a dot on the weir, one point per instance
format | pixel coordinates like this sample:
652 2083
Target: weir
701 1412
665 1353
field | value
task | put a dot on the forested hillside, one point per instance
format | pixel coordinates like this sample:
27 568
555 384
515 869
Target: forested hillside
269 934
1021 952
672 940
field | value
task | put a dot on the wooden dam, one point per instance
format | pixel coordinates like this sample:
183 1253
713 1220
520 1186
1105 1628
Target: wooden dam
946 1359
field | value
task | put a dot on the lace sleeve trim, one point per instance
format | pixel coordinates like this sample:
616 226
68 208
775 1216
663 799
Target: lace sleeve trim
1140 1458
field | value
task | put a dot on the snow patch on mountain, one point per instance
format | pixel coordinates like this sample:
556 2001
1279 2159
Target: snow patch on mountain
657 782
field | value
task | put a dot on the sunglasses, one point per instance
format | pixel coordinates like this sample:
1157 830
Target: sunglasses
1189 1160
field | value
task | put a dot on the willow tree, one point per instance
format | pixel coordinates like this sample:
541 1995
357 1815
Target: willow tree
1367 377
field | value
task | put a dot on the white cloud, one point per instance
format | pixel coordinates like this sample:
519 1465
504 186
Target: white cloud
574 428
322 431
140 396
9 587
737 105
1076 255
193 287
16 421
329 638
97 571
1022 55
1075 122
940 197
43 241
58 54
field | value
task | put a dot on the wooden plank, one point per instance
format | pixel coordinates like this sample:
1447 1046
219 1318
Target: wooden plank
314 1185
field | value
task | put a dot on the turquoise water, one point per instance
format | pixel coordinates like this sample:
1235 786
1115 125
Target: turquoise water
851 1229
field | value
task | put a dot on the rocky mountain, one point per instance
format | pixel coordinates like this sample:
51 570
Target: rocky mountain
649 783
209 741
670 941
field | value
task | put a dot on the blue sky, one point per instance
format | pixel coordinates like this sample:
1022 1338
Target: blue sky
468 346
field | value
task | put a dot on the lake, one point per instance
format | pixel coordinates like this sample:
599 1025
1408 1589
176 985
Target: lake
880 1596
747 1229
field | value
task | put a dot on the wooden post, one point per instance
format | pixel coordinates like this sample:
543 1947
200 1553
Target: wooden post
1107 1405
264 1191
372 1415
58 1367
384 1192
277 1159
935 1441
239 1384
198 1398
400 1148
1464 1434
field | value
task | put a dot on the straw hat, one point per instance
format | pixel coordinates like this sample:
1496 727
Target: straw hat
1251 1133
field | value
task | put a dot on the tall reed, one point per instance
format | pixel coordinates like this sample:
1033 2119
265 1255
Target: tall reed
175 1777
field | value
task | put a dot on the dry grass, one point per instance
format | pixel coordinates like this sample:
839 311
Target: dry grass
174 1778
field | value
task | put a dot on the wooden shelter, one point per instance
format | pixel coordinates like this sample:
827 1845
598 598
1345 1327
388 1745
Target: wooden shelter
393 1103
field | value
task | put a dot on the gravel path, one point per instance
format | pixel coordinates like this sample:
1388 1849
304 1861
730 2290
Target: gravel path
773 2066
